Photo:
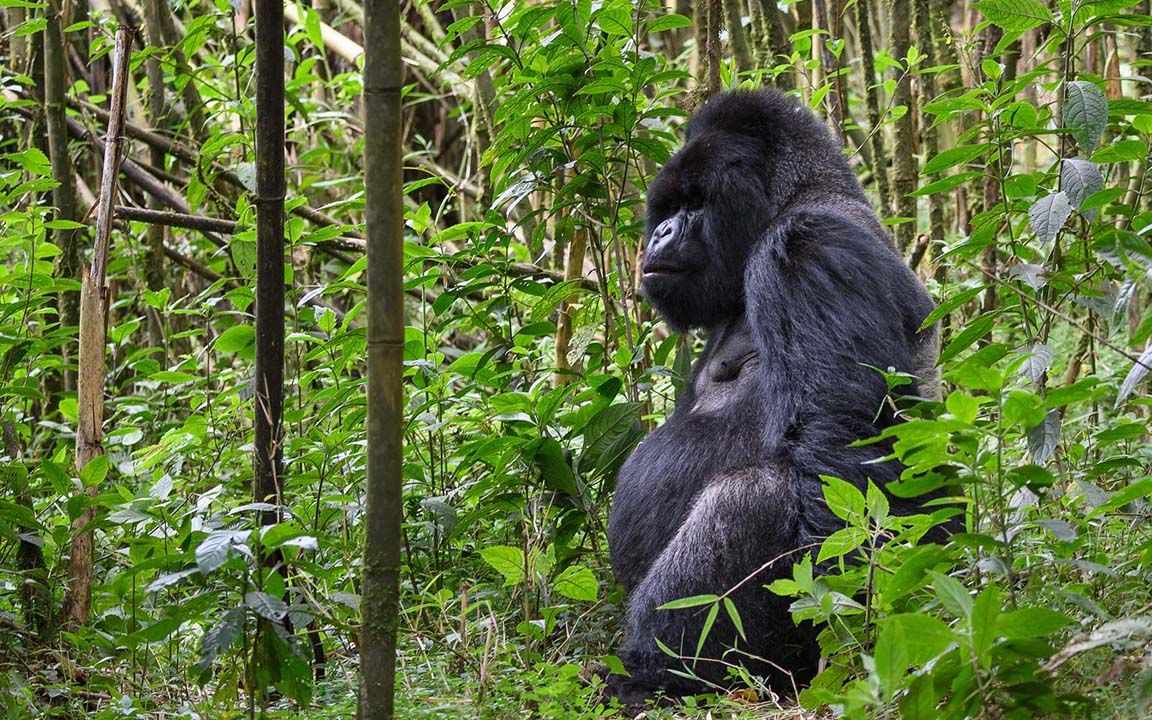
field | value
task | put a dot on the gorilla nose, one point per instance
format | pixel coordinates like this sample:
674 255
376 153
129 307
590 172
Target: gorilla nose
664 232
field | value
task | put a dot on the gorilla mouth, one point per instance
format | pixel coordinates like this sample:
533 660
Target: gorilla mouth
659 269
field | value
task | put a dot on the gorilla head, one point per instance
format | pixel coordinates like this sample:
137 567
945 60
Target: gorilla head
748 157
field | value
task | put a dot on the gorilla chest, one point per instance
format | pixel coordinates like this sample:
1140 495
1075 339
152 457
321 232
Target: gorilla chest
726 382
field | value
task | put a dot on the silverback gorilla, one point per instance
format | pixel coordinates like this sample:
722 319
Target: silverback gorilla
760 236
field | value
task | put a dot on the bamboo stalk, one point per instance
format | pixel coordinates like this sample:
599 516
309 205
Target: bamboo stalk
269 201
93 337
383 185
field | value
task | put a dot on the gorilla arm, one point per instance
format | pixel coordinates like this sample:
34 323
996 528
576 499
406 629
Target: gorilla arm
828 301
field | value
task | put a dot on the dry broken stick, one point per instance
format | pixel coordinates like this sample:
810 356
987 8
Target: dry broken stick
90 377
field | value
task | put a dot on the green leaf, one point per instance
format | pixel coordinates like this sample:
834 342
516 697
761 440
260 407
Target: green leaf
1048 214
969 335
843 498
1079 179
214 550
266 606
950 304
689 602
555 472
94 472
1044 438
908 639
577 583
1085 113
963 406
610 436
668 22
506 560
1031 622
1023 408
955 156
877 502
951 594
1015 15
842 542
616 18
946 184
238 339
713 612
243 250
982 624
734 616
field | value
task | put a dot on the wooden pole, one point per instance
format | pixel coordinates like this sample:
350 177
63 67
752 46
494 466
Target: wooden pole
383 142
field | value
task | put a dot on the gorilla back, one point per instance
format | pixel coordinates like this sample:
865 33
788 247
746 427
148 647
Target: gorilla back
759 235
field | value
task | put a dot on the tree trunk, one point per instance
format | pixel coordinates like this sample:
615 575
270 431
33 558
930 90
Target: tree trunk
383 147
64 194
712 43
872 94
929 139
904 178
737 37
158 117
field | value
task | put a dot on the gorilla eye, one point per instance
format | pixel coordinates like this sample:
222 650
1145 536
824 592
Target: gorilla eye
695 201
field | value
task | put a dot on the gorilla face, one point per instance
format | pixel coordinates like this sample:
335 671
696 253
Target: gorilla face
706 209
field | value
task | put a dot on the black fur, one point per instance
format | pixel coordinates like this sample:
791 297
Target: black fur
760 235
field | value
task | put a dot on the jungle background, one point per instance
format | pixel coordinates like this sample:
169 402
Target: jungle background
1005 142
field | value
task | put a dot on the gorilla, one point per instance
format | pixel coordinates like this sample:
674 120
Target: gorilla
760 236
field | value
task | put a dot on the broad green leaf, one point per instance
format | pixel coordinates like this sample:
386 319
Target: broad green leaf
266 606
236 339
1044 437
1085 113
577 583
668 22
909 640
966 337
842 542
963 406
951 594
1079 179
1015 15
982 624
844 499
213 551
1048 215
1023 408
506 560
